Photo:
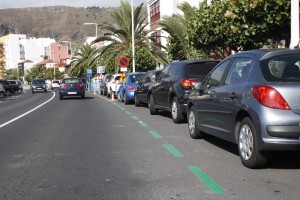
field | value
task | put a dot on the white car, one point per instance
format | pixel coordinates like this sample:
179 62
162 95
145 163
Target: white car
55 84
111 84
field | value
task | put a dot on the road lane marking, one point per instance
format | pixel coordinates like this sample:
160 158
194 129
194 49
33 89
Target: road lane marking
12 120
173 150
143 124
155 134
135 117
204 178
129 113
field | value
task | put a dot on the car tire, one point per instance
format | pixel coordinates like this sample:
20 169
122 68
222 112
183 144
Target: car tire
152 109
83 97
2 94
45 90
177 115
61 97
193 125
136 101
125 99
32 91
249 152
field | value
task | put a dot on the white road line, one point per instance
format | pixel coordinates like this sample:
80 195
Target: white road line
12 120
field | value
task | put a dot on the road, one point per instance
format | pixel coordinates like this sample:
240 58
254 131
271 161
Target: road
97 149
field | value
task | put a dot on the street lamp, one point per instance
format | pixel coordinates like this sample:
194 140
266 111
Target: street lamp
132 33
93 24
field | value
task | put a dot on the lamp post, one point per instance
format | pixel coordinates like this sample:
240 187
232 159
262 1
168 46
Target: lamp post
132 34
52 57
93 24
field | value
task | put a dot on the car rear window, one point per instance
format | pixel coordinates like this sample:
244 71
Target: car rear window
136 77
73 80
199 69
284 68
38 81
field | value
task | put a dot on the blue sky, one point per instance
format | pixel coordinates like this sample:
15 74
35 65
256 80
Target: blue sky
75 3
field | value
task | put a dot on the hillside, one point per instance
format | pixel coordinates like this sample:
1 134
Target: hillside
58 22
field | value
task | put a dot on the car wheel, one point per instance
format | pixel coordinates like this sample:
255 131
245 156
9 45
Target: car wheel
101 92
248 146
32 91
177 115
83 97
61 97
136 101
193 126
125 99
2 95
45 90
152 109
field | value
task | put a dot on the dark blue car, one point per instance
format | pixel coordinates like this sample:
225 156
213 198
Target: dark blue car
71 87
126 90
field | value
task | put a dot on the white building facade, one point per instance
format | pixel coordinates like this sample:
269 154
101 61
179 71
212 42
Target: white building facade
13 51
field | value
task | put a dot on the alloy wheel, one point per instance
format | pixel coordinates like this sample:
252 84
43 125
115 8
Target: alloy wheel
246 142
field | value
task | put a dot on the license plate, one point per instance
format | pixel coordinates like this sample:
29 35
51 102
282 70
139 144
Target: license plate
72 92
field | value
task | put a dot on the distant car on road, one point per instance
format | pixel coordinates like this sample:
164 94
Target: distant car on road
73 87
55 84
8 87
39 85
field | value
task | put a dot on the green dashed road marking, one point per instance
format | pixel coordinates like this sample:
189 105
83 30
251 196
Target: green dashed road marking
209 182
173 151
135 117
129 113
143 124
155 134
122 108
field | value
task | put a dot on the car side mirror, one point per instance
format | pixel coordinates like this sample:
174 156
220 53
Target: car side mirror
152 78
199 86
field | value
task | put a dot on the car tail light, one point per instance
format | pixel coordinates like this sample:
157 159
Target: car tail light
269 97
131 88
80 85
185 82
63 86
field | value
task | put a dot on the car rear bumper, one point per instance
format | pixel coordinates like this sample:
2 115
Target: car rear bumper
72 93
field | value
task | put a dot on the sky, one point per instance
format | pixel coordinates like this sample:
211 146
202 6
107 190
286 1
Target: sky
74 3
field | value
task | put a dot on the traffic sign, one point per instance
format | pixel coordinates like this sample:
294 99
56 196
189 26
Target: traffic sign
101 69
89 73
123 61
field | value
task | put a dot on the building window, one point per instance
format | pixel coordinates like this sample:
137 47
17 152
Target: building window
154 12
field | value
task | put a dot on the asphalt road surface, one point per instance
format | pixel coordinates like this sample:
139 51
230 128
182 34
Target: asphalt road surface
98 149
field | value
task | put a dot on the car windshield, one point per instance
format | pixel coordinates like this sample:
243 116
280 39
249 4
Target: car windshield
38 81
136 77
284 68
55 81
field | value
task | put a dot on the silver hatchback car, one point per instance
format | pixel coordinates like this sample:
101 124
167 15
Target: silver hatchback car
252 99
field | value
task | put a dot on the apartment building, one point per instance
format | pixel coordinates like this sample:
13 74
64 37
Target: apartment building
157 9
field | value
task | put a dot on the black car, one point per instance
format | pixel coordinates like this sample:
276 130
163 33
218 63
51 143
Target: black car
103 87
8 87
15 85
142 89
38 84
173 85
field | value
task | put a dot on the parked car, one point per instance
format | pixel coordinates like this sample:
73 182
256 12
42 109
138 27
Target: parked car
103 85
251 99
17 85
173 86
38 84
55 84
85 82
127 89
2 91
73 87
111 84
8 87
142 88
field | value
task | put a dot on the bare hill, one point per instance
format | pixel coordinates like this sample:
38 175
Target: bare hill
58 22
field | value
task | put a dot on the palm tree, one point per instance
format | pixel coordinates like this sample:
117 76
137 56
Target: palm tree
119 36
81 60
176 25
